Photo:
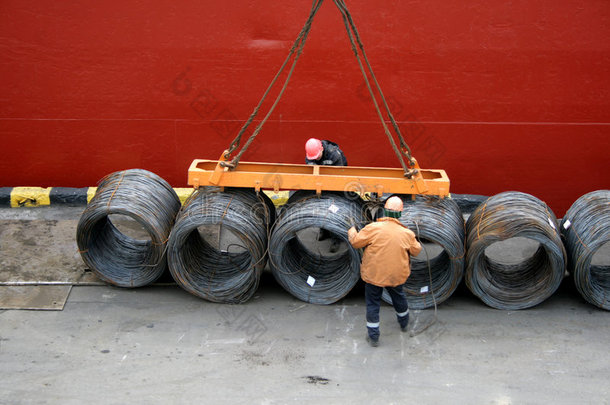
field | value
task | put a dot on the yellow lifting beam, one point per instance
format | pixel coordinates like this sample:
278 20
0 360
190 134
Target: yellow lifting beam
280 176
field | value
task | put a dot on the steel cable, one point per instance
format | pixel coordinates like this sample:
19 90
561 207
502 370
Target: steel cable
438 221
354 36
232 275
304 273
527 283
113 256
586 228
297 47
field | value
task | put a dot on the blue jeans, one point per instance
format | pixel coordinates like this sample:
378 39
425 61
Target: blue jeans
372 295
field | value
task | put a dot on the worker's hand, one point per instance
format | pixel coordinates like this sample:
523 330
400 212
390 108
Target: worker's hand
351 232
327 162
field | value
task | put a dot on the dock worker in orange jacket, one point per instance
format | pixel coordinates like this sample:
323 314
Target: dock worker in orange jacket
385 263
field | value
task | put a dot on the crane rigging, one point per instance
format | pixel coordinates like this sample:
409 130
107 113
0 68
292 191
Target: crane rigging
409 179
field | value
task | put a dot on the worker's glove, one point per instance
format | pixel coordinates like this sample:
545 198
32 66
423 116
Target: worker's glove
355 224
327 162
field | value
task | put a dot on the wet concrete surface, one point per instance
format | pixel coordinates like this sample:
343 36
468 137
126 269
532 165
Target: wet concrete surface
162 345
39 245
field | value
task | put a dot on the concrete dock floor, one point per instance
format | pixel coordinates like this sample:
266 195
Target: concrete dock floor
160 344
163 345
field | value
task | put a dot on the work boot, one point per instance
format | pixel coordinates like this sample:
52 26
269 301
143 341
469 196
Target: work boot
404 328
372 342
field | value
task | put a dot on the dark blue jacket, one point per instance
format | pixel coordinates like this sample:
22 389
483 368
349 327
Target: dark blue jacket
331 156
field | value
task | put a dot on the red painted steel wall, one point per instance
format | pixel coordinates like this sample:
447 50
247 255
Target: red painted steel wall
502 95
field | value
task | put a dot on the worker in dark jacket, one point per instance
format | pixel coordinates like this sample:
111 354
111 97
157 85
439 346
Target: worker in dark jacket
325 153
385 263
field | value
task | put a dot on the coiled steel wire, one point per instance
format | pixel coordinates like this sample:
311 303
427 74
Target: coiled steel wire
308 275
113 256
586 228
230 276
439 221
524 284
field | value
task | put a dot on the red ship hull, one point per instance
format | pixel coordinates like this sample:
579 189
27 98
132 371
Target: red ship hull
502 95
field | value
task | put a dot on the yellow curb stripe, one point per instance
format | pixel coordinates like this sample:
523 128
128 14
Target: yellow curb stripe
90 193
184 193
38 196
279 198
30 196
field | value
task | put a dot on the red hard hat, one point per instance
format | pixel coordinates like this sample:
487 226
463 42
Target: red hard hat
313 149
393 204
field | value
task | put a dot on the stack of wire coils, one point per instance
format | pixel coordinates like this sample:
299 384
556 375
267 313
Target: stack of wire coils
226 271
114 256
586 229
528 282
303 269
438 221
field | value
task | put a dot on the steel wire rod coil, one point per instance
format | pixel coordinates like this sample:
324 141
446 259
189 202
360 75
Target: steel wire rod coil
224 276
518 285
439 221
113 256
586 228
306 274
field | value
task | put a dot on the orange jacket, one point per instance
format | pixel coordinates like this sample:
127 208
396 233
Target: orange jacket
388 243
